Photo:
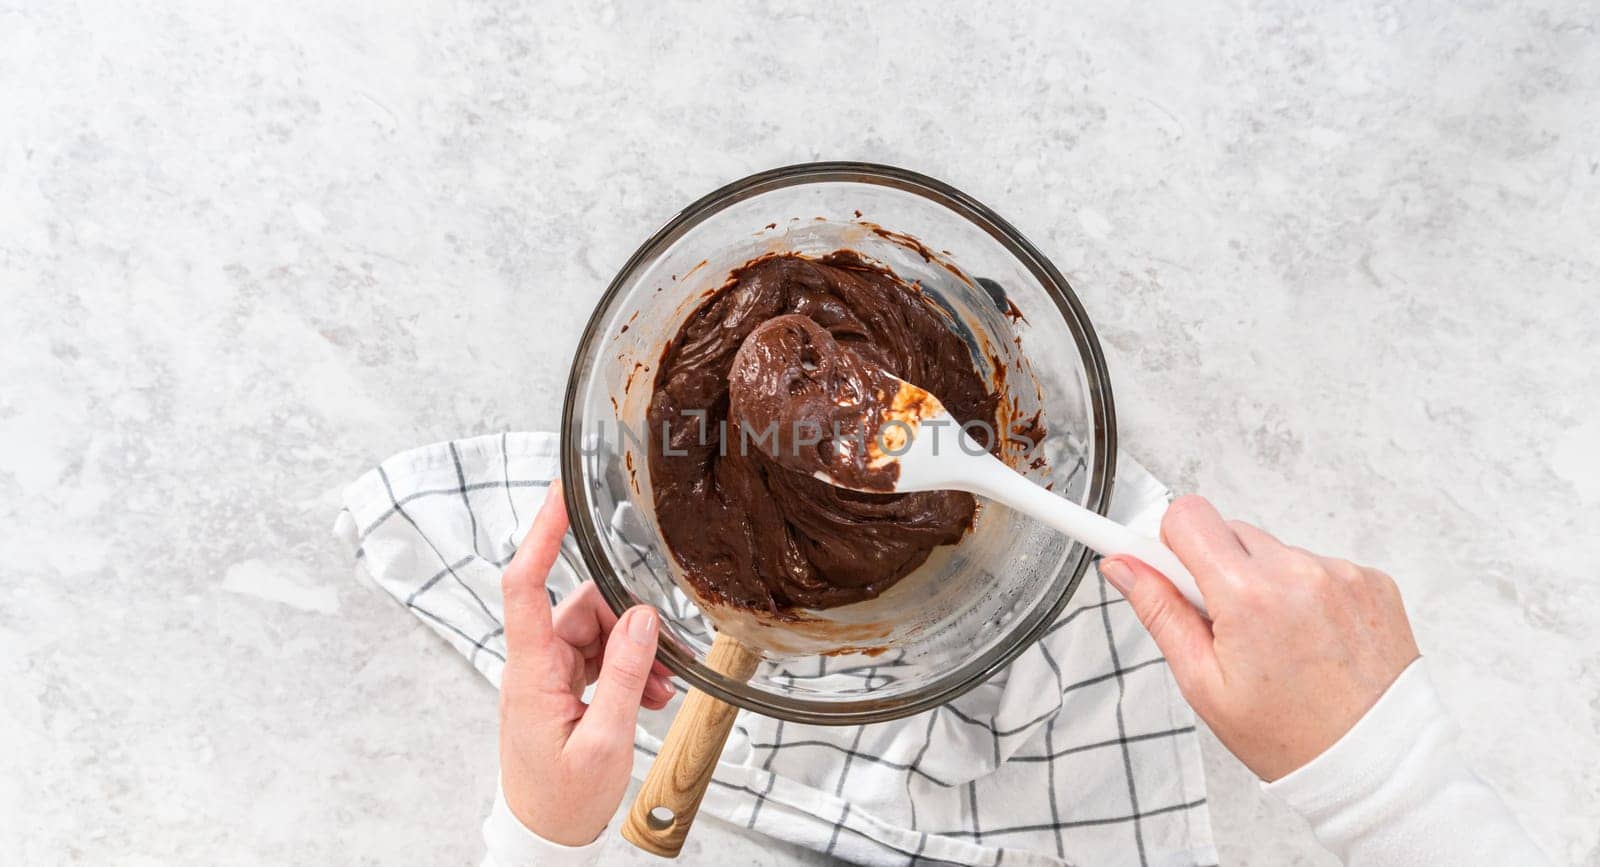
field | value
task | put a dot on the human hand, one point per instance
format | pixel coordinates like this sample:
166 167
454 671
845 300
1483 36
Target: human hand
1299 646
563 764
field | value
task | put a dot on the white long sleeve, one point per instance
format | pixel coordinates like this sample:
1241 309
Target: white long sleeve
508 843
1394 791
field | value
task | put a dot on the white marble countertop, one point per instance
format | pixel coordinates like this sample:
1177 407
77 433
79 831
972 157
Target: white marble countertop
1342 257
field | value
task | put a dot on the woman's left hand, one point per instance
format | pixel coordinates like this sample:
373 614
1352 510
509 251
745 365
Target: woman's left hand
564 764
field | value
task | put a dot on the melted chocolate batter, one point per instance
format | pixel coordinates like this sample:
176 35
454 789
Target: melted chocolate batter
810 405
750 530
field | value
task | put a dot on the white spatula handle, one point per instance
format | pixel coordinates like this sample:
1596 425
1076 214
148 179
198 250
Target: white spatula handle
1100 533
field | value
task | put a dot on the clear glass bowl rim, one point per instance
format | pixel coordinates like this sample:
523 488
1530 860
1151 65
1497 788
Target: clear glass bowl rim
1026 630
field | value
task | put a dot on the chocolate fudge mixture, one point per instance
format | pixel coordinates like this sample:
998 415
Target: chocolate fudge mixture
755 532
791 382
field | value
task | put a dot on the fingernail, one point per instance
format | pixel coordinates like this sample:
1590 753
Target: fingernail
1118 573
642 627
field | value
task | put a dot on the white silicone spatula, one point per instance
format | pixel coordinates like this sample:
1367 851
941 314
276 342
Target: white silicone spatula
935 455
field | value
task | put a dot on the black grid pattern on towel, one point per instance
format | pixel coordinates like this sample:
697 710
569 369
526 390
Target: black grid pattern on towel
481 630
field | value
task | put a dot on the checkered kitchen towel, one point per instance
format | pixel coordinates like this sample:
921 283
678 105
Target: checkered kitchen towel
1080 752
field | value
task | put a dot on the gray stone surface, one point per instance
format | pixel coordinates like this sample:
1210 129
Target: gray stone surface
1342 256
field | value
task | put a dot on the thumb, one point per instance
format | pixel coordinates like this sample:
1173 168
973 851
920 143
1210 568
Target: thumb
522 586
1179 630
630 651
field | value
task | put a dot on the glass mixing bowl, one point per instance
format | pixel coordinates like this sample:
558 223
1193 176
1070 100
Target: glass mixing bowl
973 606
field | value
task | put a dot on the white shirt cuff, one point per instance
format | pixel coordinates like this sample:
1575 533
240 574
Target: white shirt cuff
1393 790
1371 753
510 844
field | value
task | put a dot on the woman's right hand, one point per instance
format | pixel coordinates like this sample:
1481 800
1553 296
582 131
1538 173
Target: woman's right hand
1299 646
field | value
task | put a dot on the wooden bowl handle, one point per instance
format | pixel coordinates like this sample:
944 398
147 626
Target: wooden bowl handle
670 797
